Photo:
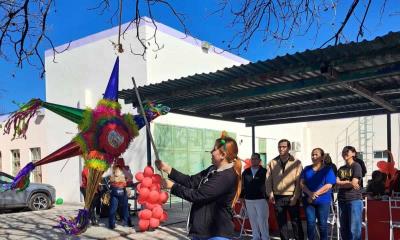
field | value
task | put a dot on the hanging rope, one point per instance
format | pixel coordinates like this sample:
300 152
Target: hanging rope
120 49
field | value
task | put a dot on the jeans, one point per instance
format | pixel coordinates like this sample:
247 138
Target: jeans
320 212
282 207
118 198
350 217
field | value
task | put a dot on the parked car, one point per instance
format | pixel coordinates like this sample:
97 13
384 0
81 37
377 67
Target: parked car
37 196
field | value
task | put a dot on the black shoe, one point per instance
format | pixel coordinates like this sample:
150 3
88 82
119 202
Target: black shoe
95 222
111 227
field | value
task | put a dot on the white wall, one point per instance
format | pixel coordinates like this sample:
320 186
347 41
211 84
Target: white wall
81 74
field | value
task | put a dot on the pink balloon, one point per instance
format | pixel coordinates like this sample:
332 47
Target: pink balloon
157 212
150 206
139 176
144 225
163 197
146 182
153 197
138 187
144 192
148 171
156 178
145 214
154 222
164 217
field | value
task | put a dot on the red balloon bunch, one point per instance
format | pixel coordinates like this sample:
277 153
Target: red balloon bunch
152 198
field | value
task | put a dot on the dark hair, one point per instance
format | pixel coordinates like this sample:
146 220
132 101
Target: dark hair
349 148
285 140
257 155
321 151
327 159
229 146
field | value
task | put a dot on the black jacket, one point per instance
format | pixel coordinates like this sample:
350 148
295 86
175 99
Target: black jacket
211 213
254 188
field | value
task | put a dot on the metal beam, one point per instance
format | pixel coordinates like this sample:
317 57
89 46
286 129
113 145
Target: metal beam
360 90
389 131
253 139
311 118
287 87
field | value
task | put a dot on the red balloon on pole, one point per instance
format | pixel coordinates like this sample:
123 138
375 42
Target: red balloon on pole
157 212
153 197
146 214
148 171
164 217
156 178
163 197
155 187
139 176
144 192
146 182
144 225
154 222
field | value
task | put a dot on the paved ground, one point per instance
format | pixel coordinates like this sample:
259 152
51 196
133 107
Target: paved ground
39 225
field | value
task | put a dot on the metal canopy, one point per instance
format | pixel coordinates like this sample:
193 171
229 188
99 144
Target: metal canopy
348 80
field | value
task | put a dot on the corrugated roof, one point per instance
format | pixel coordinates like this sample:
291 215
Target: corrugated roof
347 80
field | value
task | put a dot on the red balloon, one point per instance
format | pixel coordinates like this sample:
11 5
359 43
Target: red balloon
144 224
154 222
138 187
163 197
157 212
151 206
142 200
153 196
164 217
146 182
144 192
155 187
148 171
145 214
139 176
156 178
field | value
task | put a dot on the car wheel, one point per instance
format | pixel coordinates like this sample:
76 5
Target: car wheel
39 201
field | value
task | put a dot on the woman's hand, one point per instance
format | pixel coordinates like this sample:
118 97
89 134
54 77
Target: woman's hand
162 166
166 183
315 195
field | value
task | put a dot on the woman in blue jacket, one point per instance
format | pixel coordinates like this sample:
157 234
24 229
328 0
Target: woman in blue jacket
317 181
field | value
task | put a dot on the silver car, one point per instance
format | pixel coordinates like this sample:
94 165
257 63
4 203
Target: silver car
36 197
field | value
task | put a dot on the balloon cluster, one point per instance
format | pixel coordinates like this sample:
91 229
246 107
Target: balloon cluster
152 198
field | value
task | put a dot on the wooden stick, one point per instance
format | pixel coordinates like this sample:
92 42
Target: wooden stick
146 122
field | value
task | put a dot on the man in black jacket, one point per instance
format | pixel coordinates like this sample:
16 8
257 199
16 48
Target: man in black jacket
253 191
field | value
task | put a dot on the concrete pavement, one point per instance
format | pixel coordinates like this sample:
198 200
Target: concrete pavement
39 225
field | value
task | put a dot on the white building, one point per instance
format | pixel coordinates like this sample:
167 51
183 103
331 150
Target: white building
80 75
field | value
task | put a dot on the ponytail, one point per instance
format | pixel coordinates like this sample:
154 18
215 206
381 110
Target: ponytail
229 146
237 166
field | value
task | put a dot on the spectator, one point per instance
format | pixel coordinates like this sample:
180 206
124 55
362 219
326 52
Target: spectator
283 189
317 181
350 198
253 191
119 195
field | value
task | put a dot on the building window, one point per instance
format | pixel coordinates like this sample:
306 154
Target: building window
37 172
380 154
16 162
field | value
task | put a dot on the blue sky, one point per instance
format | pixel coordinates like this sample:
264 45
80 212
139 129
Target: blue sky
73 20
